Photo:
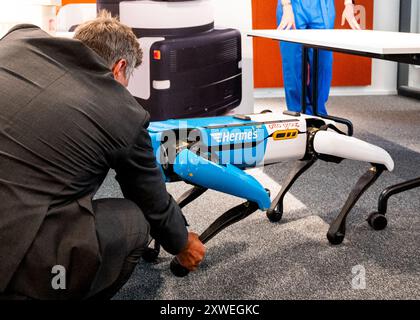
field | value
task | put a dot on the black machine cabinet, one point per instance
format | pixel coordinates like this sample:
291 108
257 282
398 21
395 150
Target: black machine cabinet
204 73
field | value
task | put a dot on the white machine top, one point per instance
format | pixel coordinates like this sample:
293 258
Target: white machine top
376 42
166 15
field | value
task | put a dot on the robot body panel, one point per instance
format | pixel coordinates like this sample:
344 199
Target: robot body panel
213 152
286 138
255 140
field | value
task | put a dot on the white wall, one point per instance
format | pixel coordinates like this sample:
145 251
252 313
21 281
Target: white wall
384 73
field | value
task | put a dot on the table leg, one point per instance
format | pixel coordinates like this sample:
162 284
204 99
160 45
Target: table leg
393 190
315 81
314 93
305 61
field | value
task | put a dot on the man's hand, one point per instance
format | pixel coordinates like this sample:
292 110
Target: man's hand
348 15
288 18
193 253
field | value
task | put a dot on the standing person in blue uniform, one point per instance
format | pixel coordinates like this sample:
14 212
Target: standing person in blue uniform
308 14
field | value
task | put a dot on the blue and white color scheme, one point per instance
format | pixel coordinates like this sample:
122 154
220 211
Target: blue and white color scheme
213 152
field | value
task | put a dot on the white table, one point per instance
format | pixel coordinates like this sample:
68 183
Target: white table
393 46
362 42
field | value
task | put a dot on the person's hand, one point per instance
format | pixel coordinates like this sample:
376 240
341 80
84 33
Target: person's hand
193 253
348 15
288 19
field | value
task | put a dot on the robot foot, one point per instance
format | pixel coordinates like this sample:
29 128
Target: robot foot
230 217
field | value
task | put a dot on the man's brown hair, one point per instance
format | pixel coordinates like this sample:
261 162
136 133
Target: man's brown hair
111 40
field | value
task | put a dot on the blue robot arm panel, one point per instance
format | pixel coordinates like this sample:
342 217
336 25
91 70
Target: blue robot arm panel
224 178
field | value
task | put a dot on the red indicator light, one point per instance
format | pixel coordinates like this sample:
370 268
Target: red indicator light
157 55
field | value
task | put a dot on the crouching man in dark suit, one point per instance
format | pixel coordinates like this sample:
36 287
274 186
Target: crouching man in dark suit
66 118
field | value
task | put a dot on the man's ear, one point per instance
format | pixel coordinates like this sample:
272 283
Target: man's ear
119 70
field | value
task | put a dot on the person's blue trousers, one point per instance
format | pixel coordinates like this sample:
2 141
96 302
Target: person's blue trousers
309 14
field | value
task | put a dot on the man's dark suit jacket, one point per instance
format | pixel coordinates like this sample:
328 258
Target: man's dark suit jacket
64 122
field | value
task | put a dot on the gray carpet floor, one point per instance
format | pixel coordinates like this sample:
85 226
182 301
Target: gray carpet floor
256 259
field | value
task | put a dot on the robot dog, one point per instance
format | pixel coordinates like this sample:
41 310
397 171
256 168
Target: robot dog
213 153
